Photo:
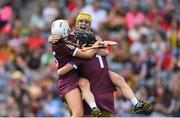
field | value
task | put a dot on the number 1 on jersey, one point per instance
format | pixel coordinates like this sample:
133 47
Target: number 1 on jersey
100 61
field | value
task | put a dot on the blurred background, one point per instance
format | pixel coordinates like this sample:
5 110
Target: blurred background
147 55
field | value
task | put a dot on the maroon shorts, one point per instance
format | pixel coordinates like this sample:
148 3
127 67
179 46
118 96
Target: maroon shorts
67 83
104 101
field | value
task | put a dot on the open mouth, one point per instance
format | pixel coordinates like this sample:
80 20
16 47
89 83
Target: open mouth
83 28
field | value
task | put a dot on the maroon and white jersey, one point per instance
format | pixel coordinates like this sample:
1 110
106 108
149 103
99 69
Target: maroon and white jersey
63 53
97 72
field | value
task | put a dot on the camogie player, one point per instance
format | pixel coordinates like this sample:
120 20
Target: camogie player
83 22
63 53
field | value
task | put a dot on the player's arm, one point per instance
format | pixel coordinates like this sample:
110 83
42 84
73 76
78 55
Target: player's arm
68 67
65 69
78 52
89 53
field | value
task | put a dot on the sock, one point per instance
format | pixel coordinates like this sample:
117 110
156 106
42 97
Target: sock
134 101
92 105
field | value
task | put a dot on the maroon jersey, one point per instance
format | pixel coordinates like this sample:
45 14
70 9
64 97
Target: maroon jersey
97 72
62 52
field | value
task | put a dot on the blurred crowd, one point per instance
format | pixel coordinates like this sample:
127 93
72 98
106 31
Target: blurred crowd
147 55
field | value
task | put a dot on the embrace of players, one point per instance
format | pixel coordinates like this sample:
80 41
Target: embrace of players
85 73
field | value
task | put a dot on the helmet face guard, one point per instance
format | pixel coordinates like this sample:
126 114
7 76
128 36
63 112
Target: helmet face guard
85 38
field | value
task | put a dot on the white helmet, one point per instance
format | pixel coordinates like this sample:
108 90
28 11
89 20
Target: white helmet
60 28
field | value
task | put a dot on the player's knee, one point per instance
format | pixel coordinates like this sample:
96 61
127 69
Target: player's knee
83 83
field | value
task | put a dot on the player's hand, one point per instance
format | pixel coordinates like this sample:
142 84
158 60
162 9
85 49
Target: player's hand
53 38
105 44
98 44
102 44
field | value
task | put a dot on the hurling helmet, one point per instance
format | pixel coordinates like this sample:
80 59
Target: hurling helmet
84 16
85 38
60 28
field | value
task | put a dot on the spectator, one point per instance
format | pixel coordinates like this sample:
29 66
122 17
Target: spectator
99 15
29 55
